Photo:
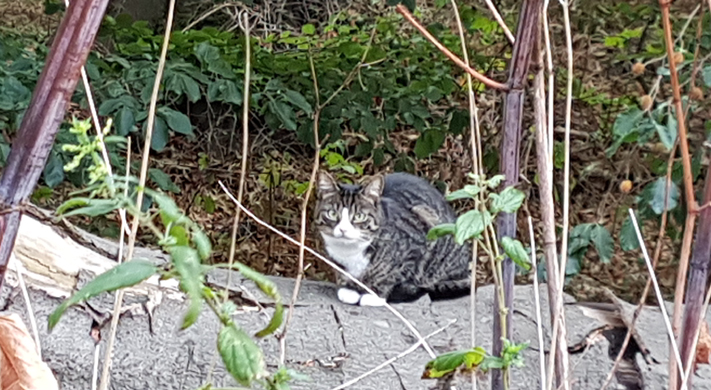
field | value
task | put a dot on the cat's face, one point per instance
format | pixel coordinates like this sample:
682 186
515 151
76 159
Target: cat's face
348 212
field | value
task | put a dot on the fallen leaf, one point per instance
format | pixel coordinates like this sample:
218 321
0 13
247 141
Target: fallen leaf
20 366
703 348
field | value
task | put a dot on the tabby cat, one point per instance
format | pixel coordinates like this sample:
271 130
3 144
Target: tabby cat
377 231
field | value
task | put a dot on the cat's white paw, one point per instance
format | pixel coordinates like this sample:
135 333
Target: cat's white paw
348 296
371 300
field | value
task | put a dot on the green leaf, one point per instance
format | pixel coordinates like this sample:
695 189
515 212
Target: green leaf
177 121
440 231
125 121
284 113
242 357
308 29
508 201
202 242
161 136
187 263
459 121
224 90
450 361
624 128
429 142
468 192
495 181
163 181
707 75
628 236
88 206
660 191
54 170
470 225
123 275
268 287
410 4
170 211
298 100
667 134
604 244
515 251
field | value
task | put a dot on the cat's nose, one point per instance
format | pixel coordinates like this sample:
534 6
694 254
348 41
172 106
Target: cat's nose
337 232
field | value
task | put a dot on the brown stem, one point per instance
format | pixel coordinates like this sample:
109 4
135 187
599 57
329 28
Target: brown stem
458 61
45 113
676 90
526 35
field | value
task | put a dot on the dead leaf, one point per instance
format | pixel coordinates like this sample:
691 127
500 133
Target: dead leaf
20 366
703 348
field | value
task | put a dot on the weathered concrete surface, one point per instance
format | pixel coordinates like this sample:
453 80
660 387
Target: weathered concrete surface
328 341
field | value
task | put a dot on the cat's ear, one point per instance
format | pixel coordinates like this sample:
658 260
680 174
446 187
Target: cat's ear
326 184
373 186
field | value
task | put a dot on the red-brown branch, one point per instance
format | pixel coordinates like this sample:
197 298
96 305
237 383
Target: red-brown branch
458 61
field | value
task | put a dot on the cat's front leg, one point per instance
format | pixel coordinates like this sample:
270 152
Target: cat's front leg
349 293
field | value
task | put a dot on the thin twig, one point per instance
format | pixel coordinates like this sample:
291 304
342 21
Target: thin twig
333 265
474 135
245 149
104 385
537 302
559 317
676 91
392 359
19 270
658 292
487 81
500 20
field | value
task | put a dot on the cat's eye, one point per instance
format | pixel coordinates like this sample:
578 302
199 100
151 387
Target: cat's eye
332 215
359 217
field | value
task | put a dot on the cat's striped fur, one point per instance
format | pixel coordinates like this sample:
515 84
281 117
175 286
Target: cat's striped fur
377 231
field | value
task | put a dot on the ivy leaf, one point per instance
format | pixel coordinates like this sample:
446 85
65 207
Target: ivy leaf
450 361
54 170
177 121
284 113
161 136
658 189
242 357
429 142
163 181
224 90
628 236
515 251
123 275
187 263
625 128
470 225
459 121
707 75
125 121
440 231
667 134
604 244
298 100
508 201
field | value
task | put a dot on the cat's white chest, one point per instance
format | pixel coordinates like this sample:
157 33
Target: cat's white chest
348 252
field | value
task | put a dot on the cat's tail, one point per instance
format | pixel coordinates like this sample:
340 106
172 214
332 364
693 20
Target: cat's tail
450 289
